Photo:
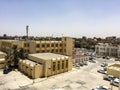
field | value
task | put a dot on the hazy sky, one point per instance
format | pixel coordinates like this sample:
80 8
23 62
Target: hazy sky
76 18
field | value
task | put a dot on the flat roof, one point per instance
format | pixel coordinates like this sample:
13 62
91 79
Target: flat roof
2 52
29 62
48 56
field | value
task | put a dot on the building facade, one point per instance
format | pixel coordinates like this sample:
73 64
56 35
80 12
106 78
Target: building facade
107 50
77 58
65 46
2 60
45 64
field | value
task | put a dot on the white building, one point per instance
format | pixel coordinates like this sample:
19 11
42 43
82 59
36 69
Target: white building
107 50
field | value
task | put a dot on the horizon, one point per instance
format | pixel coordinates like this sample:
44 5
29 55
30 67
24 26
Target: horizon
74 18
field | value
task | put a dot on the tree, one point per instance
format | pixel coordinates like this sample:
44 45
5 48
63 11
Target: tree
22 54
15 55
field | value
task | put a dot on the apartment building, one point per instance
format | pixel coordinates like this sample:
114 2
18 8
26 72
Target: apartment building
65 46
107 50
45 64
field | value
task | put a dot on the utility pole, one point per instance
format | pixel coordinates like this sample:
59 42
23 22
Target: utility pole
27 31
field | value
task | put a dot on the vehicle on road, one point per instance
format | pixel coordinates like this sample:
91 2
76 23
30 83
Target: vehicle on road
101 88
108 77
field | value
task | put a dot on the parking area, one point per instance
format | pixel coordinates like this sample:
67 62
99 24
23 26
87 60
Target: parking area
84 78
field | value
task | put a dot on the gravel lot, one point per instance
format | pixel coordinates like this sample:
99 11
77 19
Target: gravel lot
84 78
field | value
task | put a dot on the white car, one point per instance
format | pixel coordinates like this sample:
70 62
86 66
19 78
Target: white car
101 88
115 82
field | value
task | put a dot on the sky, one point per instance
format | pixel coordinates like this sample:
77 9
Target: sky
75 18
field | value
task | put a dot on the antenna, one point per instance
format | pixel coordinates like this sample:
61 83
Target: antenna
27 31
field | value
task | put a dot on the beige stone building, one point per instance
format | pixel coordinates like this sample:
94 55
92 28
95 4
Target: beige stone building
65 46
2 60
107 50
45 64
6 45
114 70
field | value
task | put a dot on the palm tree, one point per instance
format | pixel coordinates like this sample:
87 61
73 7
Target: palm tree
15 56
8 59
22 54
12 58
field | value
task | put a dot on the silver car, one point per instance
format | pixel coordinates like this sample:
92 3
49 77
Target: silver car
115 82
101 88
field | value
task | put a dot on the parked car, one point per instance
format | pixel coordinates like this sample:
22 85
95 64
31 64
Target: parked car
6 70
102 71
93 61
81 63
115 82
108 77
117 59
104 64
101 88
85 62
77 65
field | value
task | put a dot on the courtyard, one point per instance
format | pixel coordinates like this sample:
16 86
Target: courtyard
83 78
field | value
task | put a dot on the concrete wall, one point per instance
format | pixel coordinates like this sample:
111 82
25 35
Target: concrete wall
2 63
31 70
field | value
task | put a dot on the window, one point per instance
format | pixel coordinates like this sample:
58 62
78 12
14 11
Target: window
53 66
58 65
52 45
37 51
66 63
28 51
60 45
38 45
52 50
48 45
43 45
64 50
43 51
56 45
28 45
62 64
60 50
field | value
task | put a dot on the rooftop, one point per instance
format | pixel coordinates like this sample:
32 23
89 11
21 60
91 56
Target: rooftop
29 62
48 56
2 52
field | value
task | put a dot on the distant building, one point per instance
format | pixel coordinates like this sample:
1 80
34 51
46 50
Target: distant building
65 46
111 38
77 58
107 50
45 64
